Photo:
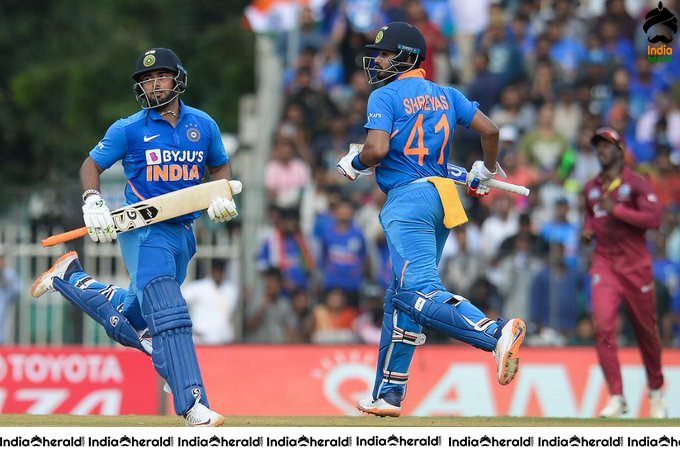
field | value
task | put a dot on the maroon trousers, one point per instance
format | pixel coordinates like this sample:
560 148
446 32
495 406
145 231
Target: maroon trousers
636 288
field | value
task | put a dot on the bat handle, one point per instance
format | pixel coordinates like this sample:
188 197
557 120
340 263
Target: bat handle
64 237
509 187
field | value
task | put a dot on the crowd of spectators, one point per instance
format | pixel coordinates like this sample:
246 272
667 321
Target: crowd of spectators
548 73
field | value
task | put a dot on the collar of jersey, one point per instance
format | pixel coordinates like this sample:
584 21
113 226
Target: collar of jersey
418 72
625 173
154 115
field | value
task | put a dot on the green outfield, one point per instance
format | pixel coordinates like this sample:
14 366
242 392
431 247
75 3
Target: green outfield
328 421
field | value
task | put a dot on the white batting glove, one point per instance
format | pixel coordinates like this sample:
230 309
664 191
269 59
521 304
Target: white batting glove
480 171
345 166
98 220
224 210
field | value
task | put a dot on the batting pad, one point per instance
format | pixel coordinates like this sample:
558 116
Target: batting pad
450 314
174 355
101 310
398 339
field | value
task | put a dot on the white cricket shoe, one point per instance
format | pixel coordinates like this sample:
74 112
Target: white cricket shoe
43 284
506 352
657 404
378 407
202 416
615 408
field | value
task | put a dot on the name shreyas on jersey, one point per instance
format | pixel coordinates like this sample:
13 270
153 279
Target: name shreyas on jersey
425 102
173 165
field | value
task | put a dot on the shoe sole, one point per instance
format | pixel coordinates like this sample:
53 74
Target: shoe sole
59 261
511 359
218 423
392 413
624 412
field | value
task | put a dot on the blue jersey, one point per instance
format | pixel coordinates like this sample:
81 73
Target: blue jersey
159 158
420 117
342 256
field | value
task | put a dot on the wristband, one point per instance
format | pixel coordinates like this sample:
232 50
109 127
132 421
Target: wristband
88 193
357 164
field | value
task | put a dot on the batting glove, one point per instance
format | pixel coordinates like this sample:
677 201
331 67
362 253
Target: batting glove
480 171
476 189
345 166
98 220
224 210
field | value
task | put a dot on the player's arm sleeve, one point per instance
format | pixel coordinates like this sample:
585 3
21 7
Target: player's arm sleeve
646 214
111 148
464 108
217 155
380 111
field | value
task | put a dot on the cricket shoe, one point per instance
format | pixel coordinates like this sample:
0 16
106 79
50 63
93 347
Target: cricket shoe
506 352
657 405
65 265
387 405
202 416
615 408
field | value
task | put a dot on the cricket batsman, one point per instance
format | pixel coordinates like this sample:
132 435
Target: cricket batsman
164 147
410 123
620 207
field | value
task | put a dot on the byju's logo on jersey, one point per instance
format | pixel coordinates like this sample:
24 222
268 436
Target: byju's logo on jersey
173 165
153 156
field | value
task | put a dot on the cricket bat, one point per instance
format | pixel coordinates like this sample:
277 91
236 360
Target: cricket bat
155 209
460 175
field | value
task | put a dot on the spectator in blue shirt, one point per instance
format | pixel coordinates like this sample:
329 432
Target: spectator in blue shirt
556 294
287 249
561 231
342 252
566 52
486 87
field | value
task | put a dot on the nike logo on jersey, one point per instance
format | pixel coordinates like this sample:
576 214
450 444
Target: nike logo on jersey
147 139
647 288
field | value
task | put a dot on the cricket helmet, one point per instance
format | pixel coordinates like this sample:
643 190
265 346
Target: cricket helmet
153 60
402 38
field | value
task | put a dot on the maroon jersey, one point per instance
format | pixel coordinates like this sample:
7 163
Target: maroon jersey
620 235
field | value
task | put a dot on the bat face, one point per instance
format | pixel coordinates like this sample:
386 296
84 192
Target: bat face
156 209
133 217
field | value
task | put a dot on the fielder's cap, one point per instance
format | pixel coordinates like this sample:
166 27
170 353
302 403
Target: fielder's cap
608 134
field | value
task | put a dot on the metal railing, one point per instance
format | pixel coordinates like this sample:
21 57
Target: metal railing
54 321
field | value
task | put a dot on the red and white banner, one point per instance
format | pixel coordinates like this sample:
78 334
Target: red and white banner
445 380
82 381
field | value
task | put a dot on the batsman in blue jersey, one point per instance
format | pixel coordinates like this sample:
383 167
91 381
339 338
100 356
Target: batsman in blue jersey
164 147
410 125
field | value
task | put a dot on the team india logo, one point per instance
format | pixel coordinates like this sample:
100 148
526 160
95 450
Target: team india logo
660 26
379 37
149 60
193 134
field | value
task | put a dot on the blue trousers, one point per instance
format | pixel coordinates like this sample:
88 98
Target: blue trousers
162 249
413 220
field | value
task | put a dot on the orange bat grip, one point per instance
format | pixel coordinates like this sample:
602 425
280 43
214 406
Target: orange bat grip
64 237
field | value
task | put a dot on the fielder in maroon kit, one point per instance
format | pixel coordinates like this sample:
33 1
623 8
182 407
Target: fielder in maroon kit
620 207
